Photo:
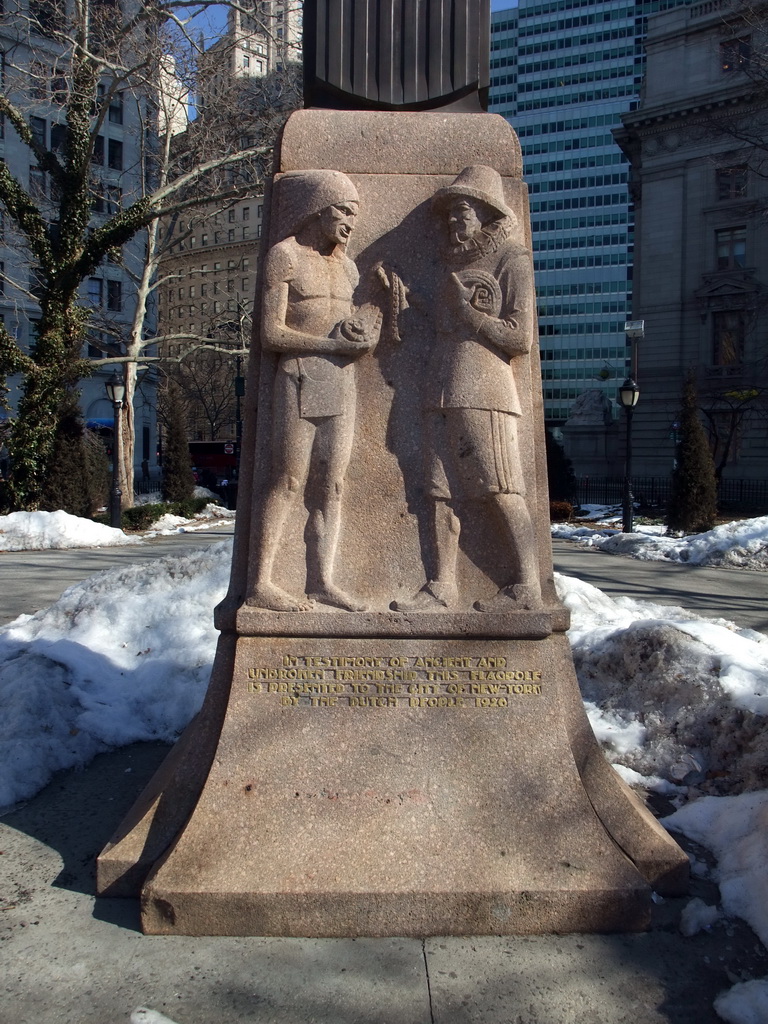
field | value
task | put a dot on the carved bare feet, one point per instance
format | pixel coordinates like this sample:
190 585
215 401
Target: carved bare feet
333 595
433 597
267 595
519 597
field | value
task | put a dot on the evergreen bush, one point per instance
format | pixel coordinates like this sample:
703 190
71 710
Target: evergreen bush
692 506
560 476
77 476
178 478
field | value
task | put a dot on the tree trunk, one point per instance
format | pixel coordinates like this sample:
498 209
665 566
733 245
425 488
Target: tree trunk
128 435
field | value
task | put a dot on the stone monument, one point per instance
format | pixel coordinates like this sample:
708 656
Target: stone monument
393 741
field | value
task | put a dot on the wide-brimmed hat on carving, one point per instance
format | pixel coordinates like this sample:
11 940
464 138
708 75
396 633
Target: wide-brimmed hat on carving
475 182
303 194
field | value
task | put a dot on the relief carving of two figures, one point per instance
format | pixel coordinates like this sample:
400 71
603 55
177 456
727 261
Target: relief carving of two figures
483 319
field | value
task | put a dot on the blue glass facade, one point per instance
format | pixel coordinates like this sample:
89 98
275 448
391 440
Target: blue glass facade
562 73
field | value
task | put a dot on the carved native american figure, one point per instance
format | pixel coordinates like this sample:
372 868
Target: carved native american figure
310 320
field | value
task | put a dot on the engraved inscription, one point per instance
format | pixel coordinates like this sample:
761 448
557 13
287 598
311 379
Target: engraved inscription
380 682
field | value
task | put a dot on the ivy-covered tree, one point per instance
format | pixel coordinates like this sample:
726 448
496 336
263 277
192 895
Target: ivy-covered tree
692 506
93 56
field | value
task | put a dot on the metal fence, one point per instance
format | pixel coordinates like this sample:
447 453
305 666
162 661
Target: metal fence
653 492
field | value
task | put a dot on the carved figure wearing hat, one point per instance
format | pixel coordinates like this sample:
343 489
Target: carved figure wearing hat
484 322
309 319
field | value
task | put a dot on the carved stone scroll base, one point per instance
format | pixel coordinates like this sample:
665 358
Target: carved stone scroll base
388 773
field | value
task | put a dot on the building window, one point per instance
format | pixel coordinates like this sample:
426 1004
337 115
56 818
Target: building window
731 245
732 182
734 53
115 295
231 235
59 134
728 337
204 239
97 156
38 87
95 288
231 216
246 213
115 155
2 277
246 61
59 90
37 124
116 109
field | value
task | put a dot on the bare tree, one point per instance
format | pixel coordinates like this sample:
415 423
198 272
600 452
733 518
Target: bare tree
97 59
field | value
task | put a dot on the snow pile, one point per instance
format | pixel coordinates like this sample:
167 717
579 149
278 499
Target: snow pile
122 656
697 916
745 1003
32 531
211 515
670 693
739 545
735 829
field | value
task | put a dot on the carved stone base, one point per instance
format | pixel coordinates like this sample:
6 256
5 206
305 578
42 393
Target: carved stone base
410 787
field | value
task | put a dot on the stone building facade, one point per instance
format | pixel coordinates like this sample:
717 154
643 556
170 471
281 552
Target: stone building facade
701 256
209 281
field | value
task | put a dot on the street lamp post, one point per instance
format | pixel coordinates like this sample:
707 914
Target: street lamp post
629 393
115 393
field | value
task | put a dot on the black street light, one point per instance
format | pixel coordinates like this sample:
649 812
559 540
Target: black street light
629 393
116 393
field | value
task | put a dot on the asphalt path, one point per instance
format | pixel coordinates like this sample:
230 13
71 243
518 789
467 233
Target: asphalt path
740 595
30 580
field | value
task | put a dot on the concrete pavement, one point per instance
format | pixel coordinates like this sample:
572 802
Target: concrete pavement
67 958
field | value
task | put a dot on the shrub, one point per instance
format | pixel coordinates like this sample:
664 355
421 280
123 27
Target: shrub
77 480
692 506
141 517
560 511
561 479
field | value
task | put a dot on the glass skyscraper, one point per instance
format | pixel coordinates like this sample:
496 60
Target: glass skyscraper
562 73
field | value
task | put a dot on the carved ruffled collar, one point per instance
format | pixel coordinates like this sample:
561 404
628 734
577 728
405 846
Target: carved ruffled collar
487 240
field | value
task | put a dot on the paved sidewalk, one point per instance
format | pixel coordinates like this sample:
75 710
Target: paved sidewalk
66 958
